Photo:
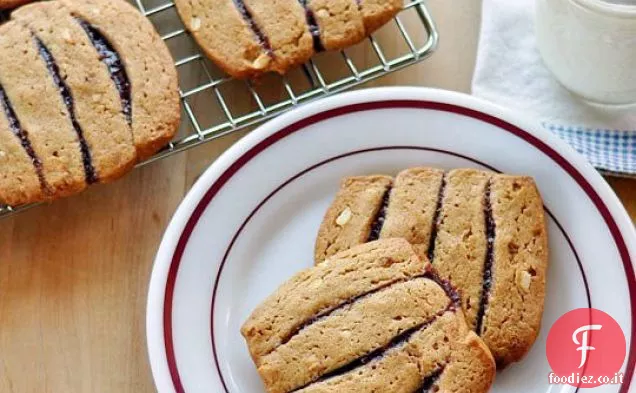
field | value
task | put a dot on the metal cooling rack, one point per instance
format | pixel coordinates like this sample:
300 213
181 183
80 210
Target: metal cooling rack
214 105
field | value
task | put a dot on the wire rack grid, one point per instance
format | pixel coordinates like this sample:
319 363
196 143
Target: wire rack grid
214 105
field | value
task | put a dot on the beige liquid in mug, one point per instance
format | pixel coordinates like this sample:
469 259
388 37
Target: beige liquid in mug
590 46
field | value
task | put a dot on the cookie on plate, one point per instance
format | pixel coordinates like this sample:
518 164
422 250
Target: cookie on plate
81 99
484 232
247 38
372 318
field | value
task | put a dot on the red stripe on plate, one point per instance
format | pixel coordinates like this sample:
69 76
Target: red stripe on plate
415 104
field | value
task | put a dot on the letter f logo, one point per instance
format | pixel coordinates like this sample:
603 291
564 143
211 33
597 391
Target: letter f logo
584 347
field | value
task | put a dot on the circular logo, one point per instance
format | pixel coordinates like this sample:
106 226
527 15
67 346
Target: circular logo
586 348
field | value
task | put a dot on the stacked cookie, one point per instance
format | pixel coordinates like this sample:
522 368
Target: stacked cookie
247 38
422 283
81 98
374 318
483 231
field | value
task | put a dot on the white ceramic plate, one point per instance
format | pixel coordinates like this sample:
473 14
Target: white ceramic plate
249 224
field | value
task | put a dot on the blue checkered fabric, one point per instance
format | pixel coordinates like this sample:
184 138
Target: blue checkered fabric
610 151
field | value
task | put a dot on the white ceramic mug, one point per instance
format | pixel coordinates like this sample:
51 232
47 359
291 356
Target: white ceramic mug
590 46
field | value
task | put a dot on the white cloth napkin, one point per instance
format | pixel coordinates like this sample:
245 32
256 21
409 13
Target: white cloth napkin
510 72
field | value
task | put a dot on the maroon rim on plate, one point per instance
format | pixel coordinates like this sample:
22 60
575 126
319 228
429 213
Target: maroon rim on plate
413 104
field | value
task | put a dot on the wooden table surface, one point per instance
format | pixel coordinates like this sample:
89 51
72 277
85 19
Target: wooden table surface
74 274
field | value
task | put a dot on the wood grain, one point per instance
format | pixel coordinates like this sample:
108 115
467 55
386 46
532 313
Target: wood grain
74 275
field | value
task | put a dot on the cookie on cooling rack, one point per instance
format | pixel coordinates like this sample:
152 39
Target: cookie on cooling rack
247 38
483 231
373 318
81 99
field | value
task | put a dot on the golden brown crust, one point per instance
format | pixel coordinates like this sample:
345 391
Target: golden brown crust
460 247
156 108
224 36
277 35
284 24
97 106
509 310
412 207
349 218
340 22
40 110
326 286
472 367
513 316
18 178
452 357
376 13
378 302
58 68
350 332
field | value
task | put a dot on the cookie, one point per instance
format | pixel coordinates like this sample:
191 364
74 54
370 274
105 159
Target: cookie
82 97
147 68
484 232
349 220
93 105
39 121
459 240
372 318
284 28
416 190
19 178
247 38
335 24
519 255
376 13
233 46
